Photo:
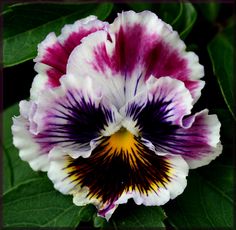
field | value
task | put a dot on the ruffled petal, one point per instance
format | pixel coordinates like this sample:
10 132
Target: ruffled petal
163 100
120 167
161 116
53 52
197 140
73 116
201 141
26 142
71 35
110 113
136 46
116 86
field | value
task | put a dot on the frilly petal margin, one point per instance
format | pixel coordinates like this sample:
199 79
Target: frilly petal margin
25 141
109 116
134 47
161 116
67 178
208 139
53 52
167 99
73 115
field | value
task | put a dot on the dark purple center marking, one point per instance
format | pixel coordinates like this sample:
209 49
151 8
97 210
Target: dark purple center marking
152 120
109 172
73 123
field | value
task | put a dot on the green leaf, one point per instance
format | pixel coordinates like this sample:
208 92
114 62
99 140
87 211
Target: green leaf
138 7
207 201
221 52
99 222
181 16
186 19
227 128
209 10
26 25
35 203
131 216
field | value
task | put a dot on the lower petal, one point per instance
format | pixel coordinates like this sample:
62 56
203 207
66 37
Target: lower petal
120 167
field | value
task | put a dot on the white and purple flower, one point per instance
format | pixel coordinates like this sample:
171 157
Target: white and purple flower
109 117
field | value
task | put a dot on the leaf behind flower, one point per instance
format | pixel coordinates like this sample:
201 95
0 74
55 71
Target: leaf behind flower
207 201
181 16
26 25
221 52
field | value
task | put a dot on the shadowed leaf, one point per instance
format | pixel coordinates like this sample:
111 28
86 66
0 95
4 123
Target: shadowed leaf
26 25
221 52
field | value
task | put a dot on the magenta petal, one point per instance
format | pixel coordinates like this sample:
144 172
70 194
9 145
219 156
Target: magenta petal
144 41
56 57
54 76
134 45
53 52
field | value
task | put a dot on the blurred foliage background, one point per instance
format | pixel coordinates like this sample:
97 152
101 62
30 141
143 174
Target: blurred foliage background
29 199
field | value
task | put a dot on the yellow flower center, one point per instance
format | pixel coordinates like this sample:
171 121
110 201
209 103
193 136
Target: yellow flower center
122 140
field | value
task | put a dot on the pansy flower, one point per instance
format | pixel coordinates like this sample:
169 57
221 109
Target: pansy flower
109 117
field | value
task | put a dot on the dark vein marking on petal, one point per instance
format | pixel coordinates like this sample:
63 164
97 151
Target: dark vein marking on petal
120 163
137 83
154 126
74 121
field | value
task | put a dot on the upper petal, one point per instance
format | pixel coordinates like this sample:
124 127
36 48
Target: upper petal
135 46
53 52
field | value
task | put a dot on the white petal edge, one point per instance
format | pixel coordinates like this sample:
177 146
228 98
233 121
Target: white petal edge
213 140
156 26
166 89
29 149
85 23
38 86
163 195
64 185
49 41
61 181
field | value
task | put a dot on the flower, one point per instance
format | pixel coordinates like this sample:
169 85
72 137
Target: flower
109 116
